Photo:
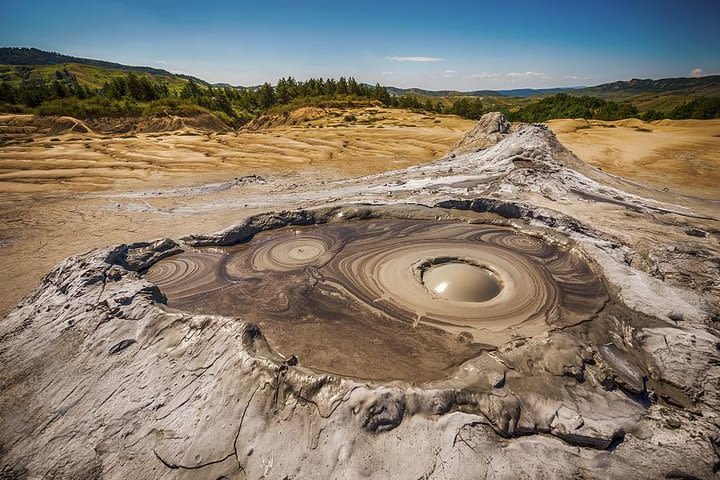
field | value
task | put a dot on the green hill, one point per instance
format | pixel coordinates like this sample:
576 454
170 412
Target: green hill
48 83
660 96
33 57
36 66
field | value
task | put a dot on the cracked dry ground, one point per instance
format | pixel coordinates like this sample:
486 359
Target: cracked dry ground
107 375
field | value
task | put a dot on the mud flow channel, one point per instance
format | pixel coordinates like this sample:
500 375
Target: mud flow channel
387 299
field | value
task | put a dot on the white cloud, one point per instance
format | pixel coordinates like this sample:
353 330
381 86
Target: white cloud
386 73
577 77
484 75
415 59
698 72
449 73
524 74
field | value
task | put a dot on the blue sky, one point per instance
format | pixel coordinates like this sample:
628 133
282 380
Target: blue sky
454 45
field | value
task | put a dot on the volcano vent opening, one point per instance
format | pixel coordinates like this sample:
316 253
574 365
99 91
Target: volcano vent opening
462 282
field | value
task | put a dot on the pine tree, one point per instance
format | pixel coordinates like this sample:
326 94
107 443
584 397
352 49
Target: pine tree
353 87
266 96
58 89
190 90
7 93
282 91
342 86
134 87
381 93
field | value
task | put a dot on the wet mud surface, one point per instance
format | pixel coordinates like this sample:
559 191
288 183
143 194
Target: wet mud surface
387 299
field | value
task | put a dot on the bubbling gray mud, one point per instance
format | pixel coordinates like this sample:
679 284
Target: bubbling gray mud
387 299
462 282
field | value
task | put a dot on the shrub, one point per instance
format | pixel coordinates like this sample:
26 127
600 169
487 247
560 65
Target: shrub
172 106
10 108
94 107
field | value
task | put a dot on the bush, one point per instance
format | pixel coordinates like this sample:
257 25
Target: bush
172 106
94 107
701 108
466 108
652 115
10 108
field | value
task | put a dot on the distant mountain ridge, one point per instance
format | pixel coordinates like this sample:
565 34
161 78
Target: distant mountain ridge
690 86
694 86
529 92
439 93
517 92
36 57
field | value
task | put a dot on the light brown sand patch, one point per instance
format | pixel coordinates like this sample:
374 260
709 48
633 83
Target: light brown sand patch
32 161
680 155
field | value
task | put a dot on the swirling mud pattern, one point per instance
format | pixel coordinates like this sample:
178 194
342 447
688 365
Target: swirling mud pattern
387 299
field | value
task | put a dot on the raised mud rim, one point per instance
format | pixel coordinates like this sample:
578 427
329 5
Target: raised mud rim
474 388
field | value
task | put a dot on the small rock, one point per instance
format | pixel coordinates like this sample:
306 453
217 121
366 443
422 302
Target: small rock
466 337
120 346
672 423
694 232
496 379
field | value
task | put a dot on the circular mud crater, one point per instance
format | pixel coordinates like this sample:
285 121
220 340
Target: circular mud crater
387 299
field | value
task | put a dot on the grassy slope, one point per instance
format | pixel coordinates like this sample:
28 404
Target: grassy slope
662 95
88 75
700 86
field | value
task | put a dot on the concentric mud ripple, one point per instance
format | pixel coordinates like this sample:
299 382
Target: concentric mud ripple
285 253
388 299
389 276
185 275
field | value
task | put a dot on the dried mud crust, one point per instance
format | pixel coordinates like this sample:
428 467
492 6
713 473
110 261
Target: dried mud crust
102 378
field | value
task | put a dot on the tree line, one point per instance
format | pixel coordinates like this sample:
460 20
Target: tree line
132 94
465 107
563 105
33 91
122 94
701 108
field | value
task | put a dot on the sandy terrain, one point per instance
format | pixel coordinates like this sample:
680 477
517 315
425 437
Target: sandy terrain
680 155
323 141
63 193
